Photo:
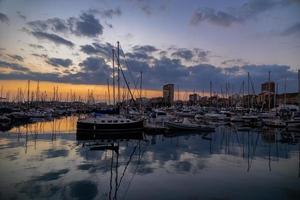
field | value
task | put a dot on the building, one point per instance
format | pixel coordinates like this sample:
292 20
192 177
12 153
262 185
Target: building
288 98
168 94
193 98
268 86
267 94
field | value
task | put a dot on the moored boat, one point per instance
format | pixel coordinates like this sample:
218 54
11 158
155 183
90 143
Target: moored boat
187 125
109 124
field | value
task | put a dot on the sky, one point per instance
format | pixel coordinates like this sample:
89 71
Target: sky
188 43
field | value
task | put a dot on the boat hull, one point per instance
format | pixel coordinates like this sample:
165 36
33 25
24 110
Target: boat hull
84 127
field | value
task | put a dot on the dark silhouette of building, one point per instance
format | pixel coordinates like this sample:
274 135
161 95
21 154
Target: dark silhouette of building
168 94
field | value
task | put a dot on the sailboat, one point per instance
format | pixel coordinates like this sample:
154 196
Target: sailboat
187 125
111 123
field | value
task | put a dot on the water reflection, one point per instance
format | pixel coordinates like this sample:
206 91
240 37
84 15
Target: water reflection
48 160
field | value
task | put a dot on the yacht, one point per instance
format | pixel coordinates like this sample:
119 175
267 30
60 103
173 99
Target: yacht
187 125
109 124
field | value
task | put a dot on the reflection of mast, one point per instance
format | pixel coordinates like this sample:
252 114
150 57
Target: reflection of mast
299 159
270 157
248 152
111 174
116 178
26 138
115 149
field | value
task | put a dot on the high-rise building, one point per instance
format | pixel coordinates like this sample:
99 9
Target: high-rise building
168 94
268 87
193 98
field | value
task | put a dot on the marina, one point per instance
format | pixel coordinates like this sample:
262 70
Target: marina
149 100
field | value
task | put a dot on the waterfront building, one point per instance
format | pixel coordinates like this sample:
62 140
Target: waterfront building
168 94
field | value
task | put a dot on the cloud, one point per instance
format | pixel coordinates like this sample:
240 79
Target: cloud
233 62
36 46
92 64
53 38
150 7
247 11
59 62
86 25
183 53
16 57
215 17
55 24
181 66
21 15
13 66
40 55
145 48
106 13
292 30
4 18
195 55
104 50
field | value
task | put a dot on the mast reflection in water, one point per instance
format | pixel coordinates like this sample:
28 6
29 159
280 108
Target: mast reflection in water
48 160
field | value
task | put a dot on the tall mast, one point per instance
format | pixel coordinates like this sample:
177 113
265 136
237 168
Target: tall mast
275 96
108 90
248 98
299 88
269 90
178 93
118 60
38 91
210 91
243 94
113 65
285 92
28 92
141 84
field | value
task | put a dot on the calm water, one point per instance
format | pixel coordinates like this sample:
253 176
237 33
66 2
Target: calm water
45 161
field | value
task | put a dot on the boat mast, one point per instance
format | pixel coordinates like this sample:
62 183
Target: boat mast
118 78
141 90
275 96
178 93
269 101
38 91
28 92
299 88
108 90
248 98
284 92
210 92
243 94
113 65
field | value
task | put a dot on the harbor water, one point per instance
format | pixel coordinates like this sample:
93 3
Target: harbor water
45 160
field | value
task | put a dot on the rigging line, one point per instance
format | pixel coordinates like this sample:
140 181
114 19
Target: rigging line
125 60
135 83
139 162
129 72
127 164
132 97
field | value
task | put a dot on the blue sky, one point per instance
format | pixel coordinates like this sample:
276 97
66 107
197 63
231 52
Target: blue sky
188 43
